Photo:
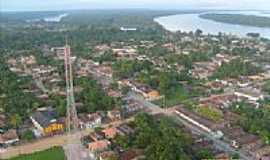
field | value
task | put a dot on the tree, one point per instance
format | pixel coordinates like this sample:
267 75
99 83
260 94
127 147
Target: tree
204 154
198 32
266 87
235 68
93 96
59 104
15 120
164 83
28 135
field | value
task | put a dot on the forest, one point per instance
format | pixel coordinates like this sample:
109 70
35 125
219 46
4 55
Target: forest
248 20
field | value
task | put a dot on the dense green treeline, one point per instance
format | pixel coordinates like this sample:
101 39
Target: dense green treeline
93 97
254 120
161 139
235 68
239 19
15 103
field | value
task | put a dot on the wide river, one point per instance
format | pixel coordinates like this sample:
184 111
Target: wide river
191 22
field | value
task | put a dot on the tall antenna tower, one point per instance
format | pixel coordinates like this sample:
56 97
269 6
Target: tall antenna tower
72 118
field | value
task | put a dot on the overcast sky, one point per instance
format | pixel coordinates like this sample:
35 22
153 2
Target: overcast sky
28 5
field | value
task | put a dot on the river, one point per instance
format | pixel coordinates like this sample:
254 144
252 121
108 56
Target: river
191 22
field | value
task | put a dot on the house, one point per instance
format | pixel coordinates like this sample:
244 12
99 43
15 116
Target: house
195 119
125 53
110 132
97 136
46 123
114 114
90 120
132 106
262 152
8 138
265 157
144 90
252 94
218 101
2 120
104 70
98 146
153 95
114 93
102 48
222 156
108 155
124 130
131 154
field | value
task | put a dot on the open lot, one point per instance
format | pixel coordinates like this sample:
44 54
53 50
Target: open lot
55 153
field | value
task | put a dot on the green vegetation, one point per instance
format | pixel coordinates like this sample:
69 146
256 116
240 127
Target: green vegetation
15 103
249 20
177 96
106 57
236 68
59 102
266 86
204 154
56 153
127 68
255 121
210 113
93 96
28 135
160 140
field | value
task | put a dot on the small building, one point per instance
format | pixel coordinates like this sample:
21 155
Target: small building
153 95
108 155
114 114
97 136
124 130
114 93
90 120
131 154
110 132
132 106
252 94
2 121
98 146
8 138
46 123
128 29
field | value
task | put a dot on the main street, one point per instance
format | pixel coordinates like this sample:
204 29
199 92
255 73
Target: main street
219 144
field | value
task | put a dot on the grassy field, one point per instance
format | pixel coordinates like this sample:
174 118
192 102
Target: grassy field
56 153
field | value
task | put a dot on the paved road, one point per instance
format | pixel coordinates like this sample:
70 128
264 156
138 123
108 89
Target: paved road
57 140
171 112
74 150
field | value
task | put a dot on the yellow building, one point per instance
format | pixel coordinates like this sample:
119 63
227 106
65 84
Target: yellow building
45 122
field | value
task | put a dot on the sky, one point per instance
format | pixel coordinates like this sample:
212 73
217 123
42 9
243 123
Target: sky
43 5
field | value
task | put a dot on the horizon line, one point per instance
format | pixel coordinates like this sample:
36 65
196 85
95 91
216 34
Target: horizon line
115 9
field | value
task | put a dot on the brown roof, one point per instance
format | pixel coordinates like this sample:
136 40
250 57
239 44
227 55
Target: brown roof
9 135
110 132
99 145
107 154
130 154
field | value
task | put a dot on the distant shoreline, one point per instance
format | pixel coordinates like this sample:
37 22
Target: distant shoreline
192 22
239 19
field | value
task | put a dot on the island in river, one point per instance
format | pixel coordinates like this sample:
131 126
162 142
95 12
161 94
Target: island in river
239 19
